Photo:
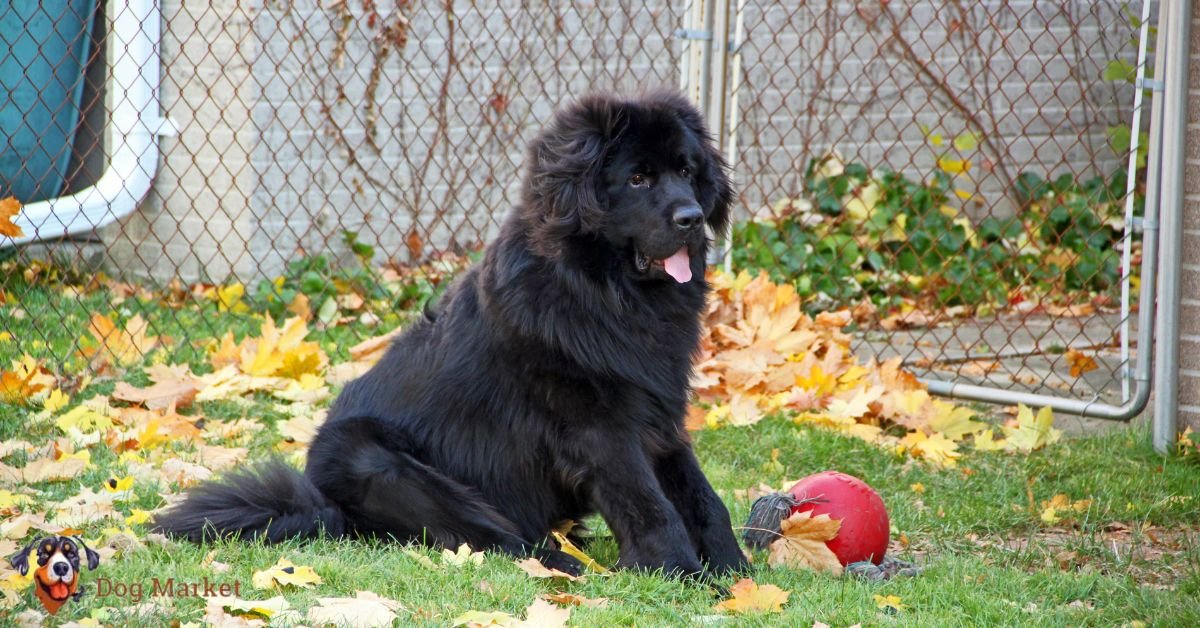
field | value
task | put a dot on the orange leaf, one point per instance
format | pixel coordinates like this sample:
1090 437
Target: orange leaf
120 347
747 596
9 207
1080 363
802 543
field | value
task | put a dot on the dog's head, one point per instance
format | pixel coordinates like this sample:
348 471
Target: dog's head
58 563
641 175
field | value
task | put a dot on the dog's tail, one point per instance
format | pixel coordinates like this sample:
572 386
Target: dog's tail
272 502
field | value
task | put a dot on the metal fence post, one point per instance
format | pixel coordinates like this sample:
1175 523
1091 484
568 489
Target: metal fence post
1166 372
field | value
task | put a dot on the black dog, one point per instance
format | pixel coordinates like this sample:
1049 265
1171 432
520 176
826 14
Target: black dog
57 574
552 381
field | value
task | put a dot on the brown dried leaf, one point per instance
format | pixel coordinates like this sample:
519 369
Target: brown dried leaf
179 393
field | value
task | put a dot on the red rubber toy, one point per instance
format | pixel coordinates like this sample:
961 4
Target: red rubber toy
865 527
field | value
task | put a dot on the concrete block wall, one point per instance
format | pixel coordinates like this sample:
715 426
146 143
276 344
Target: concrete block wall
278 156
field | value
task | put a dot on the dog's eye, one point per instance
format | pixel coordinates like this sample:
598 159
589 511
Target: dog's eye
639 180
685 172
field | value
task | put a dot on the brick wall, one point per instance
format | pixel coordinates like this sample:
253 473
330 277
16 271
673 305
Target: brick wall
1189 310
280 150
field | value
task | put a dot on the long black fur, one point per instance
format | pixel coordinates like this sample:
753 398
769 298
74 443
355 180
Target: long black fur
549 383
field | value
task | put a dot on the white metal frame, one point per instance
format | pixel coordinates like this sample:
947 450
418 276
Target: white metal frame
132 135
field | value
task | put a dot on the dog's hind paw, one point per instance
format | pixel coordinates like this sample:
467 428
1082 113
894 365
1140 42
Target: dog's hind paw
554 559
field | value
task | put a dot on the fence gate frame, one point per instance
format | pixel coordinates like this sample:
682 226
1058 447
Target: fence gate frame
709 69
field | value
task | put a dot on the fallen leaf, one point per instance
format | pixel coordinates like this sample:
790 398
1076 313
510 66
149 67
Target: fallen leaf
892 602
160 396
567 547
571 599
935 448
462 556
1032 432
802 543
986 441
747 596
42 470
543 614
285 573
536 569
482 618
234 611
364 609
956 422
282 352
9 207
1079 363
119 347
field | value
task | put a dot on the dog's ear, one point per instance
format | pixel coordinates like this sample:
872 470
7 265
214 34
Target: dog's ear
563 189
93 559
715 191
20 560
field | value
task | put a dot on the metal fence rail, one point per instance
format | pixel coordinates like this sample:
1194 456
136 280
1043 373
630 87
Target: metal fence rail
919 162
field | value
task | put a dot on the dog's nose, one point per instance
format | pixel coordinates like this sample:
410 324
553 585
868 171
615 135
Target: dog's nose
687 217
61 569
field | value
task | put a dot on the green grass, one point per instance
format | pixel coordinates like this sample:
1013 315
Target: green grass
988 557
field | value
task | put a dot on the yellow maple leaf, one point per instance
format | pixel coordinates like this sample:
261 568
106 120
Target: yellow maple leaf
954 421
9 207
747 596
282 352
986 441
229 298
1032 432
893 602
285 573
85 418
817 381
802 543
935 448
55 401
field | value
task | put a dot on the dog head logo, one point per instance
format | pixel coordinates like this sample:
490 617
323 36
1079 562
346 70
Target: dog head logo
56 578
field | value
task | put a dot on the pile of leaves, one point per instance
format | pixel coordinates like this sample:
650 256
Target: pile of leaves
858 235
763 355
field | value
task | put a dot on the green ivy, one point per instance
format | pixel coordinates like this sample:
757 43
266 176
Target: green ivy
907 243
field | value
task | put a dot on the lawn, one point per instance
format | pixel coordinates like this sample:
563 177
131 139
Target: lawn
1091 530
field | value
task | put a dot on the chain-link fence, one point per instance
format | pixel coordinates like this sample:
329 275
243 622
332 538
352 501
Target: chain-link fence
954 172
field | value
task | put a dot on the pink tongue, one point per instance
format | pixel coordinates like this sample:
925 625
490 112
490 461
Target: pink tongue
679 266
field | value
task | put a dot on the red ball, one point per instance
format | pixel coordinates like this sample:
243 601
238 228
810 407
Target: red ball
865 529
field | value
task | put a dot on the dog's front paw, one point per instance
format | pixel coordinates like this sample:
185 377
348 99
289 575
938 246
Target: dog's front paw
554 559
725 565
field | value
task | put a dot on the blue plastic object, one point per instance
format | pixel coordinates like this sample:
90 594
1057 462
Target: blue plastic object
44 46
